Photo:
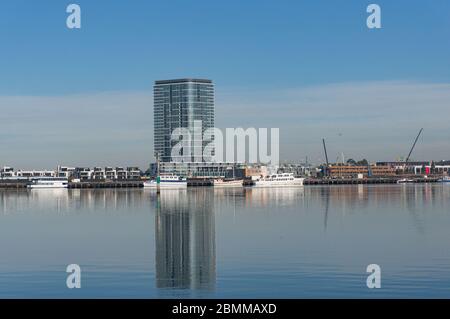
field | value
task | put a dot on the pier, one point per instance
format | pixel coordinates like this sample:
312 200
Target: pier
356 181
12 184
198 182
107 184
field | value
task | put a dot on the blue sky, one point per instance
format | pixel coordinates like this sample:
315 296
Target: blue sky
254 51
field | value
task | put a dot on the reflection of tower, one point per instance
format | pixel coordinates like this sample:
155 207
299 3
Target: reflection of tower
185 240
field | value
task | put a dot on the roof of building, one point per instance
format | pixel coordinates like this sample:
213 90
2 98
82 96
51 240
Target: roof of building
183 81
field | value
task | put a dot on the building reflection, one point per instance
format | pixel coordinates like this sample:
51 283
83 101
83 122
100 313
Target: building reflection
185 239
64 201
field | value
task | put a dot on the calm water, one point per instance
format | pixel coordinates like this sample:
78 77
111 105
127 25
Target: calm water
244 243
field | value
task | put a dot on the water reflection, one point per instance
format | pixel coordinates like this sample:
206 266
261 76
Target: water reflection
279 242
279 196
63 201
185 239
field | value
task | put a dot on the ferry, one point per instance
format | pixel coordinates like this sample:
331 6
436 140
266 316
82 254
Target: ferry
285 179
49 182
167 181
221 182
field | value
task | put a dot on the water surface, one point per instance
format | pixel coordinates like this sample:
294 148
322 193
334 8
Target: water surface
306 242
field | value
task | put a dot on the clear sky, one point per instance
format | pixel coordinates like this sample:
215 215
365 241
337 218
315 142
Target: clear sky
312 68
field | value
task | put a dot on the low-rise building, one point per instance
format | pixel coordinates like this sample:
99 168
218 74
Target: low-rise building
347 171
121 173
99 173
34 173
420 167
296 169
199 169
7 172
133 172
110 173
66 172
83 173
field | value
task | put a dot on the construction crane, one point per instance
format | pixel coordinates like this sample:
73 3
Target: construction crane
325 150
326 155
412 148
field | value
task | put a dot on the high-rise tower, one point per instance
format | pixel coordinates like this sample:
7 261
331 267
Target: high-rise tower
177 104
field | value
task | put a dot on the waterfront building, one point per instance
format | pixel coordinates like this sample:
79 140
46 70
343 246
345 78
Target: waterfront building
296 169
7 172
133 173
83 173
121 173
99 173
177 104
347 171
64 171
256 171
420 167
110 173
199 169
34 173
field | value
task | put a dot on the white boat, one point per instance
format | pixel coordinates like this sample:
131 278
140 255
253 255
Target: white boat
49 182
285 179
445 179
405 180
228 183
167 181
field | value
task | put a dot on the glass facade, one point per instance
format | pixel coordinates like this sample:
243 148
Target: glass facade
177 104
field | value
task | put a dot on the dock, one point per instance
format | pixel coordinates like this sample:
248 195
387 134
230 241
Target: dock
107 184
198 182
356 181
12 184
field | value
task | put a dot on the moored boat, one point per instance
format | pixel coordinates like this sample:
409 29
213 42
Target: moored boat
167 181
220 182
275 180
48 182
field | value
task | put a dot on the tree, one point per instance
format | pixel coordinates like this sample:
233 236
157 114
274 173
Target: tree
363 162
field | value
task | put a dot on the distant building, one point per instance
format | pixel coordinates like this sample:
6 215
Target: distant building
199 170
346 171
31 174
7 172
256 171
107 173
420 167
64 171
121 173
177 104
83 173
110 173
133 173
296 169
99 173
